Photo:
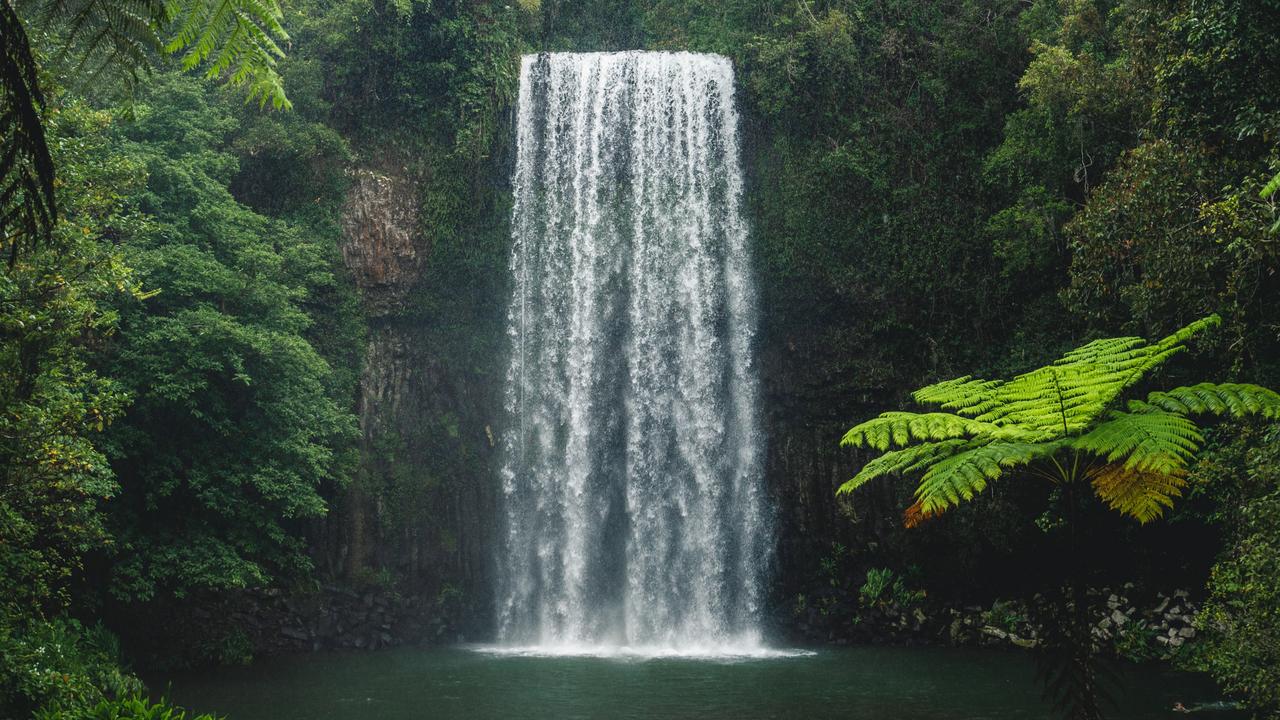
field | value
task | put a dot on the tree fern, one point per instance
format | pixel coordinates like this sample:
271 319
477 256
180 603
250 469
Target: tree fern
236 41
1064 422
27 204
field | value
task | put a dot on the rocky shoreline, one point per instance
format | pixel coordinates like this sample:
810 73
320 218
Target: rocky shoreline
1138 626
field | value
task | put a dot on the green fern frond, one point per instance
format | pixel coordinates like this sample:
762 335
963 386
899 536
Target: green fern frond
1232 399
965 395
1065 398
28 206
1148 441
1270 188
237 39
959 477
903 428
1105 351
904 462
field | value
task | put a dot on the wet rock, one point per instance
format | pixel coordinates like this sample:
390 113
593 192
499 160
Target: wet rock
1021 642
995 632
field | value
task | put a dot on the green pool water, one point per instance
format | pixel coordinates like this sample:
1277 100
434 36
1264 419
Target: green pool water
862 682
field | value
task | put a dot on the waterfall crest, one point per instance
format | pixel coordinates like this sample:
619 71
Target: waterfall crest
634 508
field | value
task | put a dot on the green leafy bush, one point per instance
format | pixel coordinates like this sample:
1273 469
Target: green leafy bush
1005 615
884 588
58 664
1241 619
134 707
1136 642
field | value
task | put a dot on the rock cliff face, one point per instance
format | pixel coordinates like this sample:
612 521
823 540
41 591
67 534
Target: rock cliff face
422 507
381 244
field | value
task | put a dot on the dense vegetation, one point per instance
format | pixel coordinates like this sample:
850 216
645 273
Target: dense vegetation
937 190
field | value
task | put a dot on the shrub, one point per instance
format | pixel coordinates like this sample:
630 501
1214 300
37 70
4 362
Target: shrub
1136 642
134 707
883 588
58 663
1241 619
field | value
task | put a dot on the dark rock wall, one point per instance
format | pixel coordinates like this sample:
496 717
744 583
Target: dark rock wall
421 512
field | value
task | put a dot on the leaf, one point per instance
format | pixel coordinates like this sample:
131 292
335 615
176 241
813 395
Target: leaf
1138 494
1271 187
28 207
1149 441
1231 399
902 462
903 428
959 477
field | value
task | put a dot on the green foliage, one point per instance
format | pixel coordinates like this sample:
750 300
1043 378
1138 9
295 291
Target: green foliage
54 310
133 707
235 39
234 430
1267 192
884 588
1061 422
1004 615
861 134
58 665
1136 642
1130 178
28 204
1241 619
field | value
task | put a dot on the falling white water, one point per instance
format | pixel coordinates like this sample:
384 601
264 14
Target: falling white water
634 508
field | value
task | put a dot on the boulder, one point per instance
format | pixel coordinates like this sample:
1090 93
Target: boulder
995 632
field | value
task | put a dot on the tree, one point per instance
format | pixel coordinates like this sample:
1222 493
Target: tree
1072 422
1241 618
54 308
1069 422
233 431
55 312
234 40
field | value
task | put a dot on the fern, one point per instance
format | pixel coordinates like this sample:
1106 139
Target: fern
961 476
903 462
901 428
1150 441
1231 399
1141 495
237 41
1064 422
1269 190
28 208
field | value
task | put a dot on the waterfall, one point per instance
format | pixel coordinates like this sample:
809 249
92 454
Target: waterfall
634 508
